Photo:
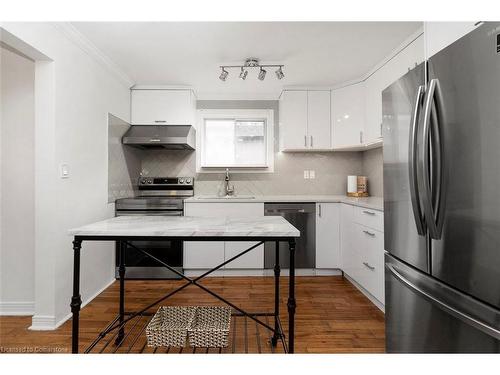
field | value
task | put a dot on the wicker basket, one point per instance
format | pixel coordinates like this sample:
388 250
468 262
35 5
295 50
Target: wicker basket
210 327
169 326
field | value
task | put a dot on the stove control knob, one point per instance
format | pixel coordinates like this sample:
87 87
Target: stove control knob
181 180
150 181
188 180
144 181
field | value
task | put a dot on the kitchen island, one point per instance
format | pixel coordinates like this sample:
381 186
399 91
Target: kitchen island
156 228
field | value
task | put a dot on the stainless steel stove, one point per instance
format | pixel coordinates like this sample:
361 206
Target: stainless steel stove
158 196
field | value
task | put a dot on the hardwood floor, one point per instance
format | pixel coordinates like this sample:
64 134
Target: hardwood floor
332 315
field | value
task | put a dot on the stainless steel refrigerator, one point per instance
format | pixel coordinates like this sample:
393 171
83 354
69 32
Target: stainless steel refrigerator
442 200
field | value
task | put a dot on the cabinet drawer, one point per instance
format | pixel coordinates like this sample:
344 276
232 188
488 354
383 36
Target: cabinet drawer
371 260
370 218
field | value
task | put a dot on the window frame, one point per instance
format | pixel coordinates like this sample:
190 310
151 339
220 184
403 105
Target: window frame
266 115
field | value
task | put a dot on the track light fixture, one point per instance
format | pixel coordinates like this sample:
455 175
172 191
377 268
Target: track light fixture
223 74
252 63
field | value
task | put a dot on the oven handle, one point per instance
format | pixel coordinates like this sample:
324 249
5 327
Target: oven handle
149 213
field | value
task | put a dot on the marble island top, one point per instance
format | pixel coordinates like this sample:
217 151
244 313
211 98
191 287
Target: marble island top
375 203
189 226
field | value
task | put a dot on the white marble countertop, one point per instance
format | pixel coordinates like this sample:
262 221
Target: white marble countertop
189 226
374 203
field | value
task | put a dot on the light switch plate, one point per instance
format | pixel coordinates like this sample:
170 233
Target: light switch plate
312 174
306 175
64 171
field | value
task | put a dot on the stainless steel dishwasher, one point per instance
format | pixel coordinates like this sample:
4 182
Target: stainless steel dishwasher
303 217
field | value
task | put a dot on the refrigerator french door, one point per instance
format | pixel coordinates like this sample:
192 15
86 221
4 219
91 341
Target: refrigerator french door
442 207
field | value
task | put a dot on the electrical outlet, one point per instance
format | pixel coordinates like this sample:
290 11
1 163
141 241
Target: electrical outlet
312 174
306 175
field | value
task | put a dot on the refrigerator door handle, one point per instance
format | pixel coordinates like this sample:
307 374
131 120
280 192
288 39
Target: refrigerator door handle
412 167
467 319
433 113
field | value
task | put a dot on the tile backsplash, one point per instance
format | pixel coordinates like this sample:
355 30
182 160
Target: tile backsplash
373 168
330 169
124 163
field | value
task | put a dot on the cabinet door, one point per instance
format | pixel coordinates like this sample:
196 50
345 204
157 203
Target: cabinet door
348 115
293 120
347 256
327 235
439 35
394 69
254 259
318 120
202 254
162 107
208 254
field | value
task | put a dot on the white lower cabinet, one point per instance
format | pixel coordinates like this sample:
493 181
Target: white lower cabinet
208 254
327 235
362 244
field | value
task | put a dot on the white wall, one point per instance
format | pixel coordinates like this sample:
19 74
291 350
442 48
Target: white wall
17 254
74 92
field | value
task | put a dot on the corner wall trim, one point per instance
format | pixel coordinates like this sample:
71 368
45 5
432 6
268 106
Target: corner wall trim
17 308
74 35
49 323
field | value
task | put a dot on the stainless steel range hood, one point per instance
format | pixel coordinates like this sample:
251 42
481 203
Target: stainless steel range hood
171 137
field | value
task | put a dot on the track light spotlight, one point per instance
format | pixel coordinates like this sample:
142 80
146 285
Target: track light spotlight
279 73
223 74
243 74
262 74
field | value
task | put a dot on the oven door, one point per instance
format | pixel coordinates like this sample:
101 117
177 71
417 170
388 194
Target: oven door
140 266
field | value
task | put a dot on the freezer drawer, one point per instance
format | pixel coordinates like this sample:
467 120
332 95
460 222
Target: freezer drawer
425 316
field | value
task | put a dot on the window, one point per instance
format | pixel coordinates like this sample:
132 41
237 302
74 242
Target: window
236 139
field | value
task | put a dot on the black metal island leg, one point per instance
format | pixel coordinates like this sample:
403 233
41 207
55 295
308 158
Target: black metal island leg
121 273
76 299
277 269
291 298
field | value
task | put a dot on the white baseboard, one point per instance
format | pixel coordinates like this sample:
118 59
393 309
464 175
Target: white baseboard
17 308
49 323
368 295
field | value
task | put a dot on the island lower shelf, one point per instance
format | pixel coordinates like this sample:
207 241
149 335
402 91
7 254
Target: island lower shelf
245 336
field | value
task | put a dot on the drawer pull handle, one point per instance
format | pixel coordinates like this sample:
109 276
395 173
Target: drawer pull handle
369 233
369 213
160 121
367 265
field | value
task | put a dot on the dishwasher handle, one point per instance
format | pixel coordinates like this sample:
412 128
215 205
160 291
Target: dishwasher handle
285 210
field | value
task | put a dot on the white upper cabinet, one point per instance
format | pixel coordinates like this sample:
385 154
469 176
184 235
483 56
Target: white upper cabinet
439 35
318 120
395 68
293 120
162 107
348 115
305 120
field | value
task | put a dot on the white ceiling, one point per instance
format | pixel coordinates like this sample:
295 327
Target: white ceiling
189 53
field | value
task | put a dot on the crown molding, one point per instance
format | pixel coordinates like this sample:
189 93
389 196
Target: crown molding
68 30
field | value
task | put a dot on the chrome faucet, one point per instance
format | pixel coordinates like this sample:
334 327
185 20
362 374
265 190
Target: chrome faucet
229 189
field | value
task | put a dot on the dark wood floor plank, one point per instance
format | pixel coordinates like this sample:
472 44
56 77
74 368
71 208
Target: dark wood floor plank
332 315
